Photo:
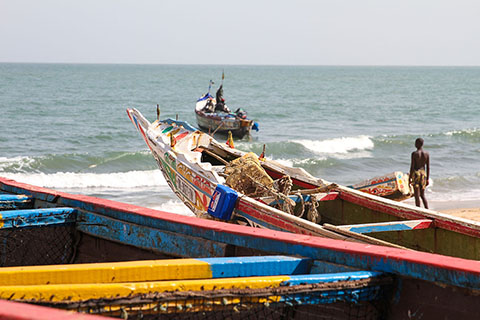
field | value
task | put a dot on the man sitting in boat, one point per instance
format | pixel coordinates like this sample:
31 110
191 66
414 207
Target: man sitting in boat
209 107
220 106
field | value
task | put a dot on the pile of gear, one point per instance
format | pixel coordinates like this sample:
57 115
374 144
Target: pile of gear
246 175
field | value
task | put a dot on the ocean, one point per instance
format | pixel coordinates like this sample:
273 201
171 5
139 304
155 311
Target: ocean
64 126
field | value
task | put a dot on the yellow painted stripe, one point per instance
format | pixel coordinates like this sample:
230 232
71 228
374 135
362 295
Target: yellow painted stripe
79 292
1 221
132 271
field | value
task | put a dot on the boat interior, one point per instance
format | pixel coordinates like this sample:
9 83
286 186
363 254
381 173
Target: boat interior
336 208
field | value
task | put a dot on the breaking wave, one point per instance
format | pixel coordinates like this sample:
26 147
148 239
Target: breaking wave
337 145
175 206
79 162
66 180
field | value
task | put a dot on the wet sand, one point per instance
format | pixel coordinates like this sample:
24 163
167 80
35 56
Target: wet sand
462 209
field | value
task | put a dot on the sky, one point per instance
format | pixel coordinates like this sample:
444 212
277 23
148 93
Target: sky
246 32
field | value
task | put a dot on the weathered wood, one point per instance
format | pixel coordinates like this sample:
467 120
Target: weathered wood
155 270
175 244
10 310
11 201
361 237
387 226
36 217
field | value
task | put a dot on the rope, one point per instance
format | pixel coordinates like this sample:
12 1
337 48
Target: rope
302 205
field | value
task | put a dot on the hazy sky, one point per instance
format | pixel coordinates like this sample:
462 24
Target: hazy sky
317 32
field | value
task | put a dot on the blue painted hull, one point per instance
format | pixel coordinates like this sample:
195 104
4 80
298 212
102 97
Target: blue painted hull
111 231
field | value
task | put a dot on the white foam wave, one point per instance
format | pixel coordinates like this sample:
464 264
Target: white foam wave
20 161
175 207
297 162
466 131
338 145
285 162
65 180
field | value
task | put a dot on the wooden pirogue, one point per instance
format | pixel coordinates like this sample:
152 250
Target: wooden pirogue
223 122
227 270
265 193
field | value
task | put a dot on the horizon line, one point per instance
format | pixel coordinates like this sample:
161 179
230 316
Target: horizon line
240 64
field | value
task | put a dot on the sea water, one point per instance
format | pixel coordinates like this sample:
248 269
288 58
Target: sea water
64 126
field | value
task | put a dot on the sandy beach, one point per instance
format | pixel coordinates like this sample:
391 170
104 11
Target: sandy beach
461 209
467 213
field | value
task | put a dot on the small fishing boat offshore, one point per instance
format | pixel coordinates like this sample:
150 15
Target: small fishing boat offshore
219 182
213 116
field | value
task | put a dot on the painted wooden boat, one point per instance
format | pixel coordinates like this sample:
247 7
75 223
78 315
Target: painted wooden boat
195 166
10 310
232 270
222 122
393 186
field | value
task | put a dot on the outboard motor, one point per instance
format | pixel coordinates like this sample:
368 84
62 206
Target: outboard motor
242 114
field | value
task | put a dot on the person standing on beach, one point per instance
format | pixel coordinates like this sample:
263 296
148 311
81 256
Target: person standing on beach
418 176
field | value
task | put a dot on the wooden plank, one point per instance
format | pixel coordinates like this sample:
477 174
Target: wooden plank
362 237
10 310
387 226
172 243
14 201
330 196
154 270
36 217
341 285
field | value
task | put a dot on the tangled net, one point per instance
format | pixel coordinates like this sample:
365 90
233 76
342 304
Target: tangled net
246 175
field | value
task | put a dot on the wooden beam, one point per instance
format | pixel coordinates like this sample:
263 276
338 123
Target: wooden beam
14 201
36 217
388 226
361 237
172 243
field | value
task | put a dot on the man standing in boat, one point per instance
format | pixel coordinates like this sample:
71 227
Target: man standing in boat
418 176
220 105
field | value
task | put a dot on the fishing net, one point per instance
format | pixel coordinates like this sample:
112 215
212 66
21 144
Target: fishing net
52 244
362 299
245 174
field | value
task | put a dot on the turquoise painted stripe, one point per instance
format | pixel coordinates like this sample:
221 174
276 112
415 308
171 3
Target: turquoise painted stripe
49 197
185 124
330 277
168 129
258 266
37 217
13 201
368 229
14 197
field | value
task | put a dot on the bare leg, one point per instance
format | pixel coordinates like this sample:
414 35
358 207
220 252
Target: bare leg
416 193
422 195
